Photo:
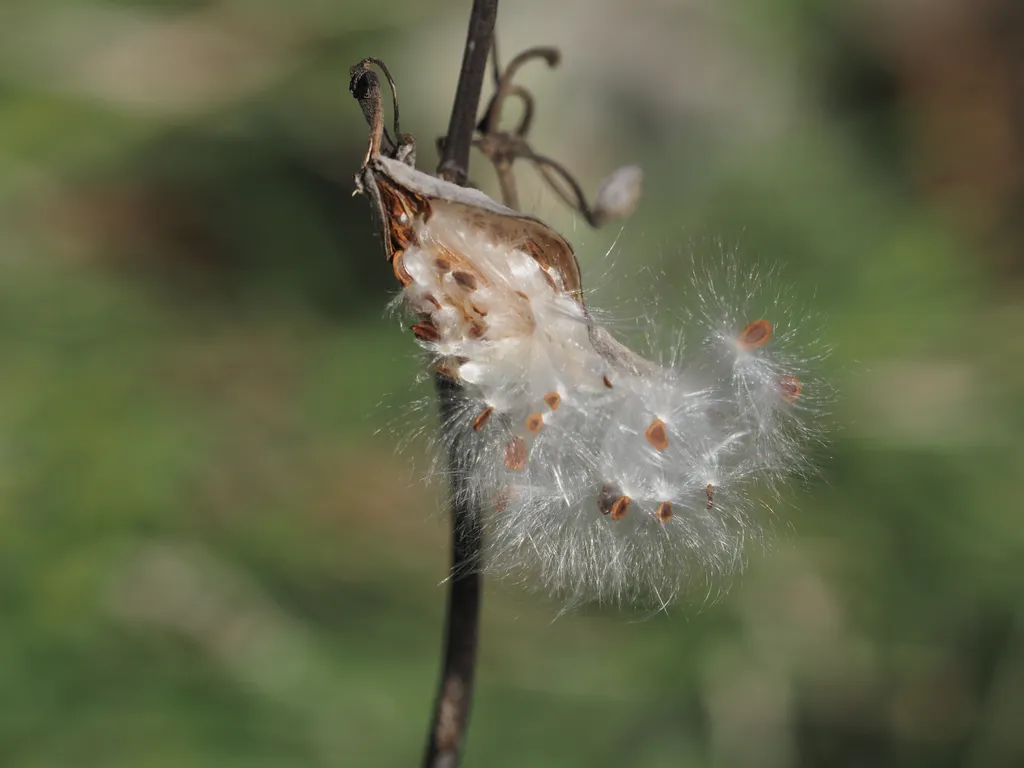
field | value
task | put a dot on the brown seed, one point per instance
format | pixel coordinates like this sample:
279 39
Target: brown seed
442 264
534 422
790 388
619 508
477 329
426 331
398 267
478 309
523 296
550 279
710 492
611 501
606 497
401 206
553 400
756 334
482 417
465 279
423 304
401 233
501 500
607 382
515 453
656 435
664 511
537 253
401 238
448 371
419 204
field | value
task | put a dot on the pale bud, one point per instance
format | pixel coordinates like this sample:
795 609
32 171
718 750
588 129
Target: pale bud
619 193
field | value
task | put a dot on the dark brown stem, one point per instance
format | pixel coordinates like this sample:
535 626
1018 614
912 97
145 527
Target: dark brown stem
465 584
454 164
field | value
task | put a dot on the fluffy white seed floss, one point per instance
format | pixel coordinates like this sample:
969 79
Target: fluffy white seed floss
612 477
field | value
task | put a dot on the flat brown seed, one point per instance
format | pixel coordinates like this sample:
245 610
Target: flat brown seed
398 267
607 496
536 252
477 329
607 382
619 508
515 453
423 304
710 492
426 332
442 264
553 400
656 435
478 309
790 388
550 279
482 417
465 279
756 334
448 370
664 511
534 422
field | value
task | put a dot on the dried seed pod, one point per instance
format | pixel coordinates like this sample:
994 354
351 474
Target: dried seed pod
503 290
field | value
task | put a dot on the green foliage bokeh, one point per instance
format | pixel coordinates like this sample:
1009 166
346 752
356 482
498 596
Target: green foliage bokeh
211 553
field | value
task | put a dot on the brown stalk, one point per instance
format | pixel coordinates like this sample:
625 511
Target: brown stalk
465 583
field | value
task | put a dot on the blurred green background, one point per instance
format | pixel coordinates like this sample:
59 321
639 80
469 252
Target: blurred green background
211 553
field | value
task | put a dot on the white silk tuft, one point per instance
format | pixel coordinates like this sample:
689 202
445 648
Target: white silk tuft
610 477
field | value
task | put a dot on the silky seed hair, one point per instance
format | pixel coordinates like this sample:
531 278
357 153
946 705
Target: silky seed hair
602 475
609 482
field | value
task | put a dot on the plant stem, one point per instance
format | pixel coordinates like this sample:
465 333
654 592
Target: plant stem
465 584
454 164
